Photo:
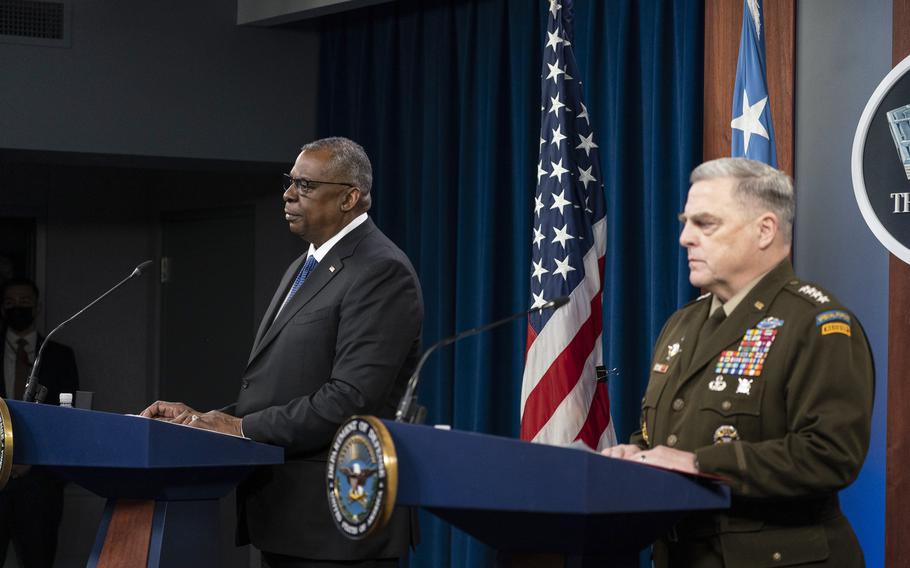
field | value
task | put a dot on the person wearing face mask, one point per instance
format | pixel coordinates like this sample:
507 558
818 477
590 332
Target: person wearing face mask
31 504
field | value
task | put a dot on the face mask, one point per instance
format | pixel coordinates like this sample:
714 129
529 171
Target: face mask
19 318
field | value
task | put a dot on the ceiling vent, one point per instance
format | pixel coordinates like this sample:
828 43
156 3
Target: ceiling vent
35 22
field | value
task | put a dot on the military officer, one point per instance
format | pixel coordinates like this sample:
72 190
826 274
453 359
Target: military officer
766 380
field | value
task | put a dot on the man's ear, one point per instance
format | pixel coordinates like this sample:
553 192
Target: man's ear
768 227
351 199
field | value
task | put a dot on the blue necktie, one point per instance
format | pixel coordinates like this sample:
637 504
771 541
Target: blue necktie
305 270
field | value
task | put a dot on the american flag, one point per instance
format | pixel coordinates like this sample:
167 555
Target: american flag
561 401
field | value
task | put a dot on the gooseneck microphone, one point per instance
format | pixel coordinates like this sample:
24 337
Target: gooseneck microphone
405 407
35 391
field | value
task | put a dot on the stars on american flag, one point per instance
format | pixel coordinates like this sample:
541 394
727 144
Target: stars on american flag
587 143
553 39
555 72
558 170
557 137
562 235
555 104
567 175
559 202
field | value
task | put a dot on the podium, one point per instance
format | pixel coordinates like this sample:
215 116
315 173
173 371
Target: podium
162 481
523 498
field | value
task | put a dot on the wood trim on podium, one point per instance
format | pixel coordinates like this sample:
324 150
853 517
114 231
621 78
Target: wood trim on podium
126 544
723 26
897 480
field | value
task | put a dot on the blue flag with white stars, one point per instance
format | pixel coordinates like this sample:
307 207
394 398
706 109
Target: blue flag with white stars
753 130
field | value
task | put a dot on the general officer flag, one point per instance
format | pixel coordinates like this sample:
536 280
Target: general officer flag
561 399
753 130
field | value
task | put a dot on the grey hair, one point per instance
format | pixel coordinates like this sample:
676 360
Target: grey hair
758 186
349 163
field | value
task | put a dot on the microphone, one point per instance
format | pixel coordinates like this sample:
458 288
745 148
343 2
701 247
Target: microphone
35 391
404 411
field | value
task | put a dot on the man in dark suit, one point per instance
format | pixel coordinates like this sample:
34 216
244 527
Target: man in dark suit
340 337
32 502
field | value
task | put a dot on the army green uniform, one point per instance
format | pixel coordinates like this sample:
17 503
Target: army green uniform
778 400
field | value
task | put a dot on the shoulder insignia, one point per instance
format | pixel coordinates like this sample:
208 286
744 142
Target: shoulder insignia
810 292
832 315
834 321
836 327
814 293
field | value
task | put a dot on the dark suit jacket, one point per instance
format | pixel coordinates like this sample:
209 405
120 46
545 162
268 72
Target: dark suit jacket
345 344
58 370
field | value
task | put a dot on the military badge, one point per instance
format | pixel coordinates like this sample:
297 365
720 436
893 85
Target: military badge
815 294
836 327
362 477
644 432
661 367
718 384
6 444
832 315
673 350
725 434
745 386
770 323
749 357
834 321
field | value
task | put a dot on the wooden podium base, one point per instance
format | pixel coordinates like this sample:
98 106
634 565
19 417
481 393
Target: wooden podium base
153 534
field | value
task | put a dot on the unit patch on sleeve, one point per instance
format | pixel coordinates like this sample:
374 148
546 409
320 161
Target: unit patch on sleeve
834 321
836 327
832 315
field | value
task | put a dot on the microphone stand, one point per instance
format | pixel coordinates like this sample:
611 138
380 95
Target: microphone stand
404 412
35 391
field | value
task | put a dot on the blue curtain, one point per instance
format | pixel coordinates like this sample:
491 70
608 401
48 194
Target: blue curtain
445 97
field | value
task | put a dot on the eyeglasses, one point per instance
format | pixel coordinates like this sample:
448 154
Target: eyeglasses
305 186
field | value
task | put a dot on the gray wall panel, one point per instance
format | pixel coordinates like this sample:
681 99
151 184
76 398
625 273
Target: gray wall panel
843 51
163 79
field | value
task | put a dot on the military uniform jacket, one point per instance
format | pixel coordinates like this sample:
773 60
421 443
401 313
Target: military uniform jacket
777 400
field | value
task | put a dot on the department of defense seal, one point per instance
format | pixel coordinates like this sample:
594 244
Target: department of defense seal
362 477
6 444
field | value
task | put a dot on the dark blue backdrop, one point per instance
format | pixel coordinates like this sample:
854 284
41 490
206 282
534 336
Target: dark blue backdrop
445 97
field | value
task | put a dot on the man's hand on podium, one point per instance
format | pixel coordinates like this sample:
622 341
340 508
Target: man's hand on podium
661 456
179 413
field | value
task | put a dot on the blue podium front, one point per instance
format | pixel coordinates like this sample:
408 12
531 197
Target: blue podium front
162 480
523 498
